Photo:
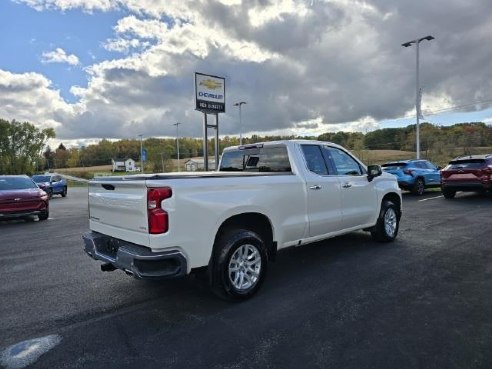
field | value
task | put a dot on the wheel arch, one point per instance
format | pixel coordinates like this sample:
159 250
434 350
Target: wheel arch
395 199
256 222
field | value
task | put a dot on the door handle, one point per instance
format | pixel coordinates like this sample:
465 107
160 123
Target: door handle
315 187
347 185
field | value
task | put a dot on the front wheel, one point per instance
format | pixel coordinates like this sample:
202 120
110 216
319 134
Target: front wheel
388 223
44 215
239 265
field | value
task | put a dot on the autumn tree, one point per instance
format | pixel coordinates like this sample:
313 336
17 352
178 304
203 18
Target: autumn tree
21 145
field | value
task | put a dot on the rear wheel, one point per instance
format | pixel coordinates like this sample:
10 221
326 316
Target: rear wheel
419 187
239 265
388 223
448 194
64 192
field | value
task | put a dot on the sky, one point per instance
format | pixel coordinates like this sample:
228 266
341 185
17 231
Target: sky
117 69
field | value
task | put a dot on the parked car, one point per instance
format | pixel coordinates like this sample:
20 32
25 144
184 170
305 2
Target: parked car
415 175
52 184
20 197
467 173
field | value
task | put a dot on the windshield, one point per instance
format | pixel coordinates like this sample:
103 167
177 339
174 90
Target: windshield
40 178
256 159
16 183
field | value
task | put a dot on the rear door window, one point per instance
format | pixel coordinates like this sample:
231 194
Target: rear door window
314 159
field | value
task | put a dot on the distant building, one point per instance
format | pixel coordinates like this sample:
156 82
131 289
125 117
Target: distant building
192 165
124 165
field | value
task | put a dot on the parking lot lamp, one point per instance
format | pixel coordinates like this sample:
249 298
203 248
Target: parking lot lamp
177 142
141 153
417 97
240 121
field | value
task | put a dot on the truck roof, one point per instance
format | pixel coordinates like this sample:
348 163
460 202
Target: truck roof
280 142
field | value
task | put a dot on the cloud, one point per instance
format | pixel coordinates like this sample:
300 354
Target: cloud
59 56
30 97
87 5
302 66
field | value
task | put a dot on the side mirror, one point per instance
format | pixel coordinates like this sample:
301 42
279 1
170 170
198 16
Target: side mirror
373 171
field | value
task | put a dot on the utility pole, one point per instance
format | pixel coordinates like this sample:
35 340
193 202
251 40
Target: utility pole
177 141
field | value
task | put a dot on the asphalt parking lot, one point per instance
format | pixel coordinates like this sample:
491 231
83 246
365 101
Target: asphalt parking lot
424 301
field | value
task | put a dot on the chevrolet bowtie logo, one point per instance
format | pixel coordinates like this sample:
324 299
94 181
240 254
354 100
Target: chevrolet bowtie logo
210 84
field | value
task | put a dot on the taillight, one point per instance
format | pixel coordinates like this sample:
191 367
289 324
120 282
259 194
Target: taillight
408 172
158 218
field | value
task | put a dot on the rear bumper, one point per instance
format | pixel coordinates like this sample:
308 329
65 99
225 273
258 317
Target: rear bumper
467 186
136 260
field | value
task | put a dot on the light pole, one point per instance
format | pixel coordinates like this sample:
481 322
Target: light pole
141 153
177 141
417 98
240 121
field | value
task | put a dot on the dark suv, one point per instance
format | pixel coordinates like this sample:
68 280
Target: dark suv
467 173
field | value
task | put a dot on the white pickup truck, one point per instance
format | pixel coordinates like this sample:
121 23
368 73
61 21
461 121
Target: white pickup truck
263 198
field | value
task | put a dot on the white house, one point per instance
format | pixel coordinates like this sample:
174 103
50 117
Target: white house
192 165
124 165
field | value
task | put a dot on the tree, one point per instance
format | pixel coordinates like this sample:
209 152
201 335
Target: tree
21 145
48 158
73 158
61 157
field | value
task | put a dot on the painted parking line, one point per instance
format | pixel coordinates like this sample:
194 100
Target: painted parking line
27 352
432 198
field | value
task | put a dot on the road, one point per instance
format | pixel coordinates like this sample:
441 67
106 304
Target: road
424 301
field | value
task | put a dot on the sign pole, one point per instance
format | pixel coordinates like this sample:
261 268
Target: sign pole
205 142
216 140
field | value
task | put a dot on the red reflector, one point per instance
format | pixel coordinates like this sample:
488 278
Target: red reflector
157 217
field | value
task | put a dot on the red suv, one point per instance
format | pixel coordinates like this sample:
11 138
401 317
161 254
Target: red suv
467 173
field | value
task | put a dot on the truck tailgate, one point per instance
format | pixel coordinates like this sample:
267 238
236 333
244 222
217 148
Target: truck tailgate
119 209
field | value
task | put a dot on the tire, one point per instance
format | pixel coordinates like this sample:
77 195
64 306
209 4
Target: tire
44 215
388 223
419 187
448 194
64 192
238 266
50 193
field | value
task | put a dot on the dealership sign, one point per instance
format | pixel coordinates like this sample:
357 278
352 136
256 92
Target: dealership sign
209 93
